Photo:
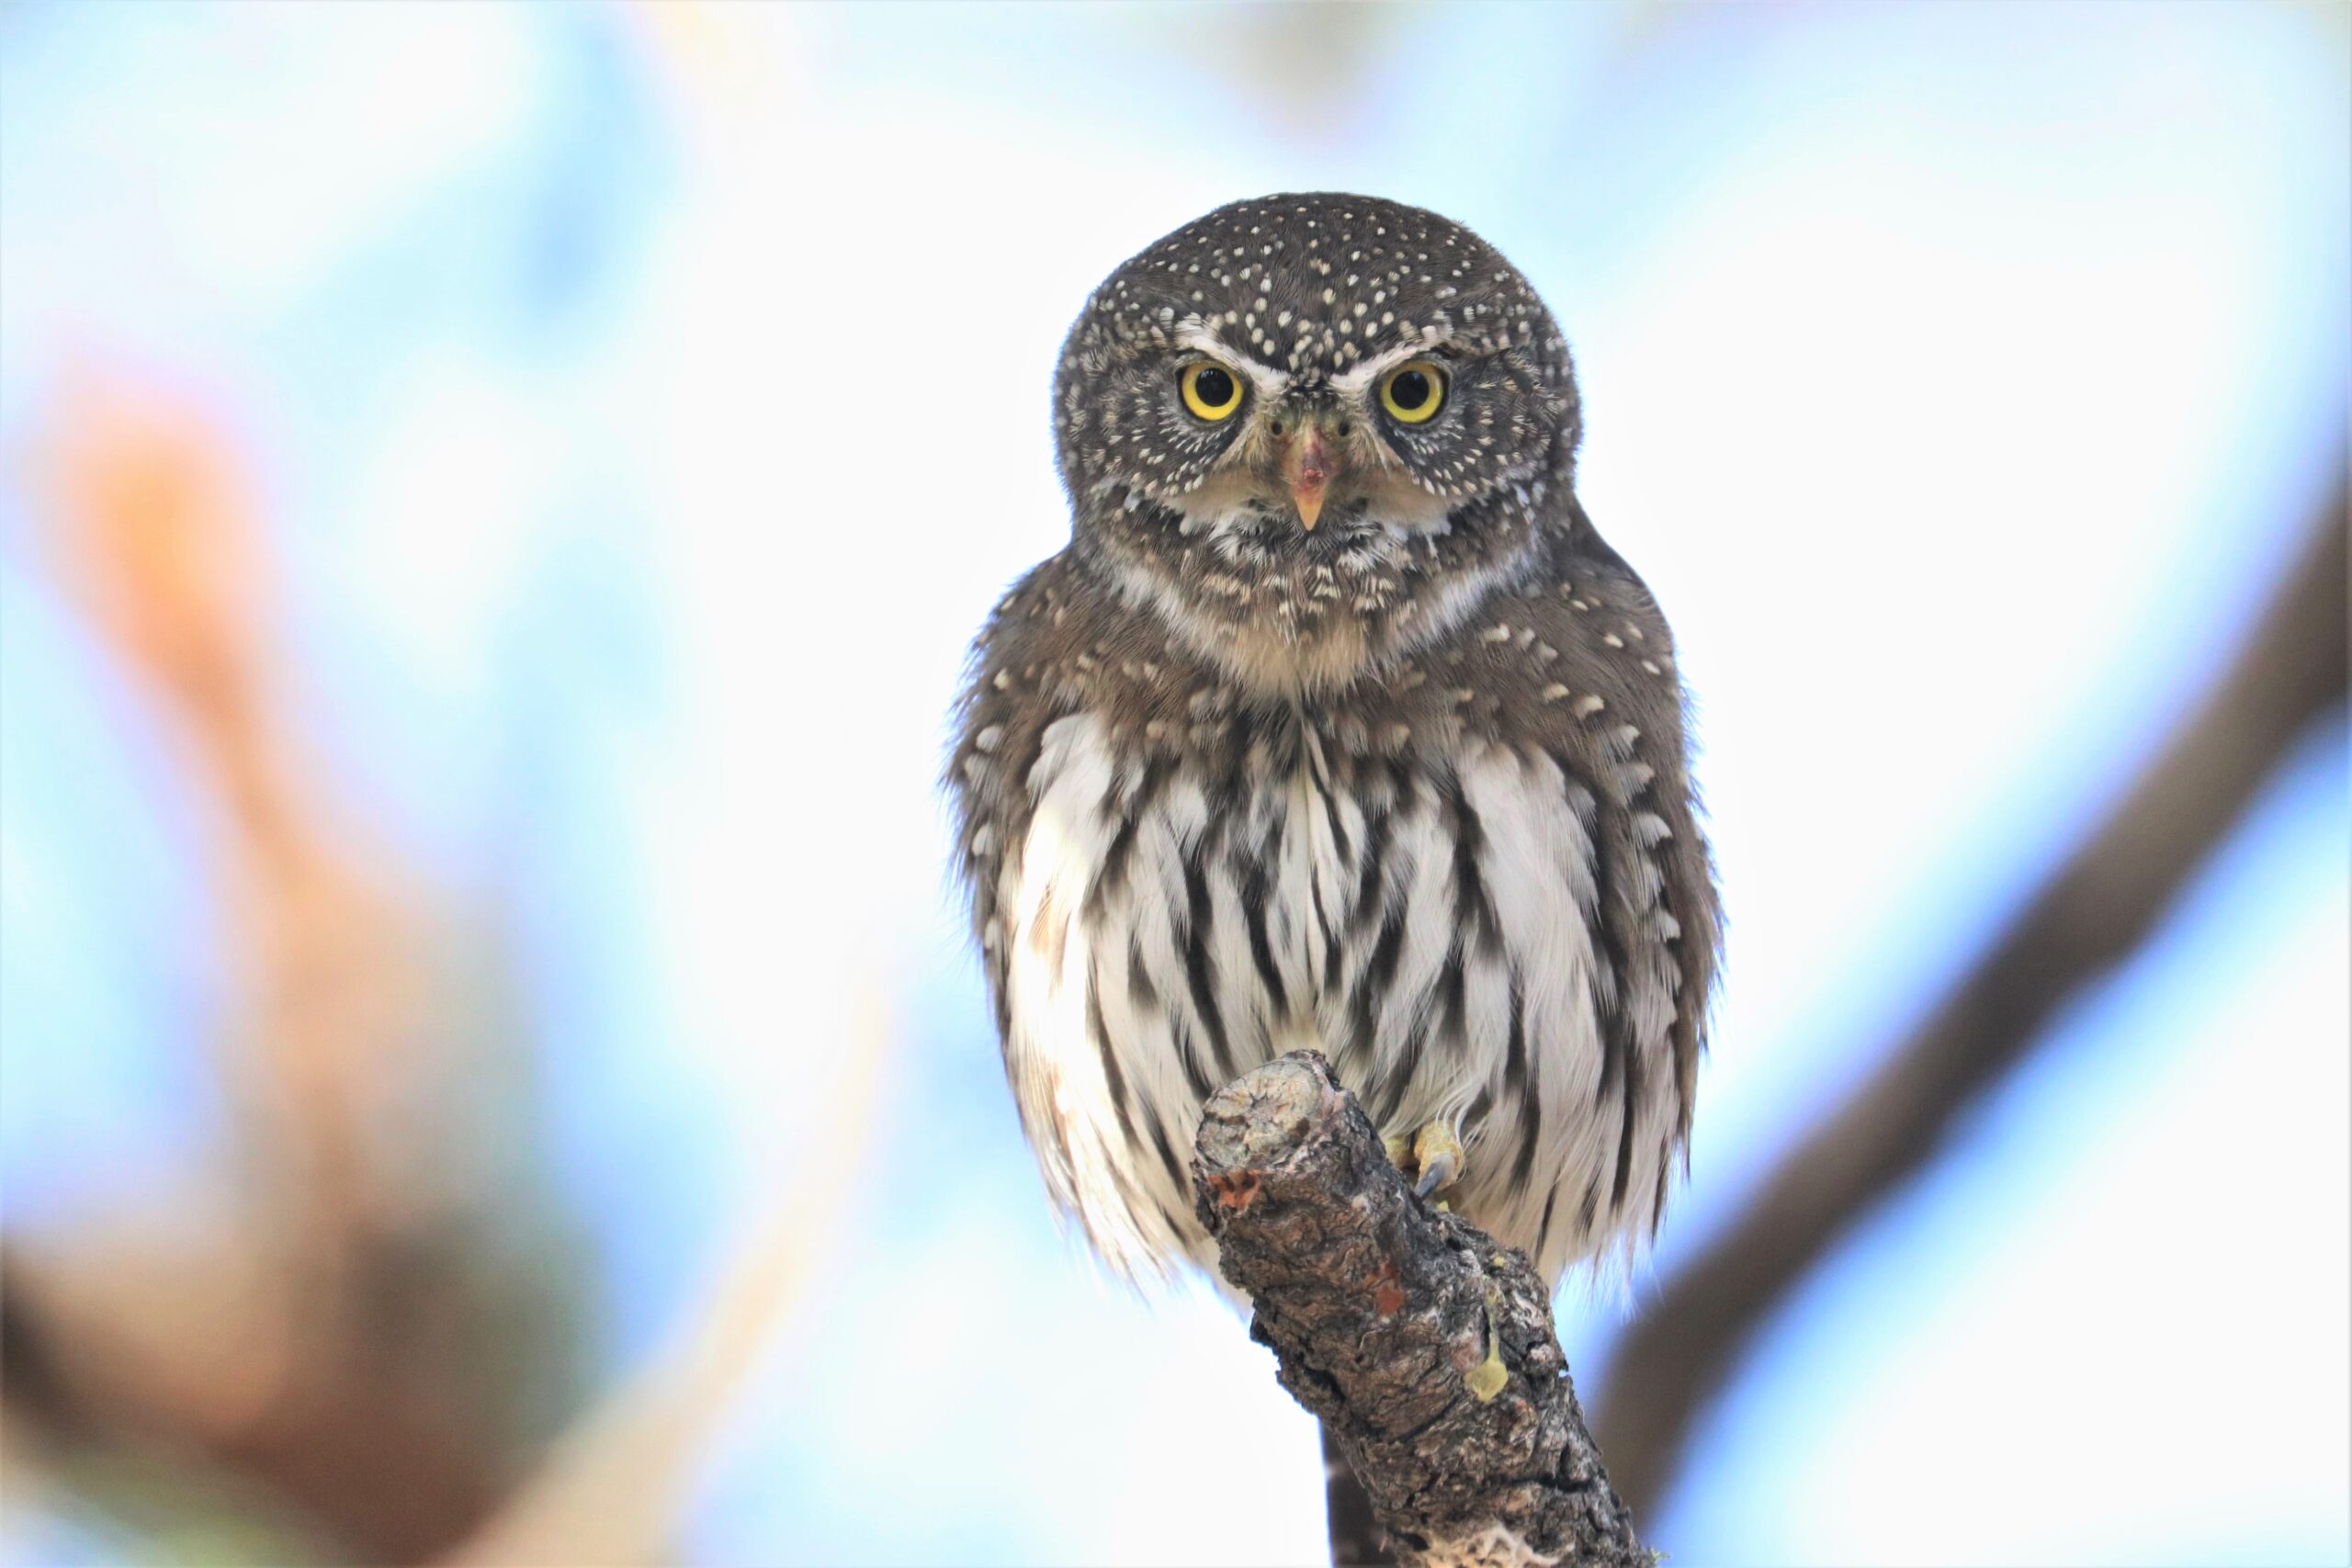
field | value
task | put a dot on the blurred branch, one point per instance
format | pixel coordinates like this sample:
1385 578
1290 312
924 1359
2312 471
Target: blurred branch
159 534
611 1489
2093 911
375 1458
1426 1350
344 1308
1354 1532
349 1326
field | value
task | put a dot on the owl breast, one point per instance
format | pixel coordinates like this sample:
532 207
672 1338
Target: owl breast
1165 919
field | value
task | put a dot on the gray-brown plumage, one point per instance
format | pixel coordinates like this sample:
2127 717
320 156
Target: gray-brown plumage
1336 723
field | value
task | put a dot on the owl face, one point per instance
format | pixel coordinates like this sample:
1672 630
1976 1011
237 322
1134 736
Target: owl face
1302 374
1301 425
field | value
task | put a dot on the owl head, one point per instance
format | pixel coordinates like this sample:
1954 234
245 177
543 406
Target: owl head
1303 420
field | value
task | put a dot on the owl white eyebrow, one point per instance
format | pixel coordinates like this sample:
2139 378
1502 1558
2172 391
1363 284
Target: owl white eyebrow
1361 376
1268 381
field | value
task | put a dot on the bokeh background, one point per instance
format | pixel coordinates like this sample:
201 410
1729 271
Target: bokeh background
494 500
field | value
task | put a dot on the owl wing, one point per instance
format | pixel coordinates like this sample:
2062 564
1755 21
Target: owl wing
1006 703
1580 672
1035 776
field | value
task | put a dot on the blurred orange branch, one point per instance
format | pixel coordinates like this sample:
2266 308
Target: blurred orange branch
321 1321
283 1315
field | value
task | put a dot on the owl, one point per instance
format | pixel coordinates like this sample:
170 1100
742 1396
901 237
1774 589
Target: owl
1336 723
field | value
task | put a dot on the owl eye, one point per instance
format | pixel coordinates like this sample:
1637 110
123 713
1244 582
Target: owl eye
1210 391
1413 393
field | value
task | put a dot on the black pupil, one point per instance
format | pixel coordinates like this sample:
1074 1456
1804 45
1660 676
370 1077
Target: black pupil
1214 388
1412 391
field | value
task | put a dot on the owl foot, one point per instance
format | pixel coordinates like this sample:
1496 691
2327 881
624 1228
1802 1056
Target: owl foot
1432 1158
1437 1155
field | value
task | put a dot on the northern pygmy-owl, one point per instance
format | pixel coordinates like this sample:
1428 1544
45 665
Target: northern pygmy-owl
1336 723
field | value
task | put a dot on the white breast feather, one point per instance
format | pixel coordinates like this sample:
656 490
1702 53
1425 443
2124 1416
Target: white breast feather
1125 1178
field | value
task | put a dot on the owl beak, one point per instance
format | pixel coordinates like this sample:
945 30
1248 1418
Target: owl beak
1308 463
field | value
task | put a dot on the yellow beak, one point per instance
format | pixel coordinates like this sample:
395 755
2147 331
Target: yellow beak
1308 464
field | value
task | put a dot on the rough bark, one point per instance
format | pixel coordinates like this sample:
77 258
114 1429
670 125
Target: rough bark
1427 1350
2094 911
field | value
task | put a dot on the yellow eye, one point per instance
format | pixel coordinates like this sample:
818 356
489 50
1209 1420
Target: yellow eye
1413 393
1211 390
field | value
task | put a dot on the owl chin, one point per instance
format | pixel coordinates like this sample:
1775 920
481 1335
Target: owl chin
1272 534
1284 612
1279 657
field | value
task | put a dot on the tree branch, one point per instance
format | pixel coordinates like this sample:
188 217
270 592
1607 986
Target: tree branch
2091 913
1426 1350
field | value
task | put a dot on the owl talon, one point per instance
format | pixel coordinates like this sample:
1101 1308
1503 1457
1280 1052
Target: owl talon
1437 1154
1400 1151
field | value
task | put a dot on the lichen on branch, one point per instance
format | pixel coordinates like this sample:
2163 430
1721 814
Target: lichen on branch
1427 1350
